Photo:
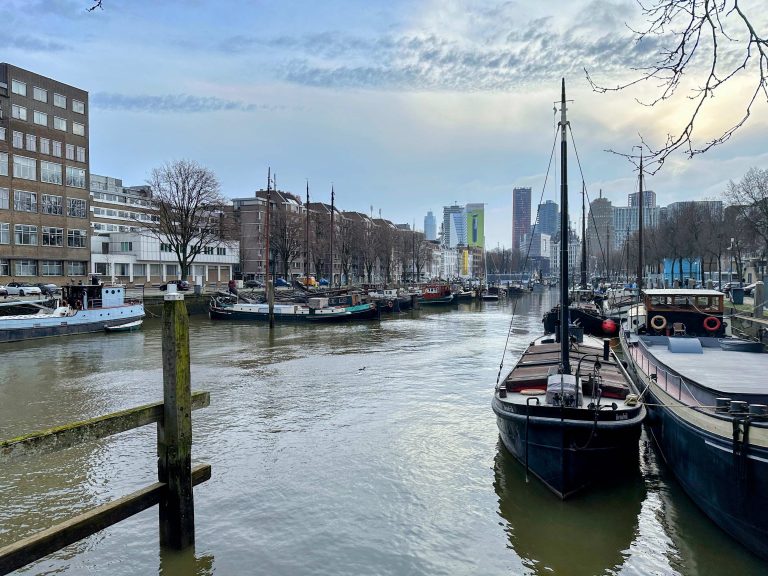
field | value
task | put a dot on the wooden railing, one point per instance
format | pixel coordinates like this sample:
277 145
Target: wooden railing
176 476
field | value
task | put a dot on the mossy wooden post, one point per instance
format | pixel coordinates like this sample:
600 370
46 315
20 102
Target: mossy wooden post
174 433
759 295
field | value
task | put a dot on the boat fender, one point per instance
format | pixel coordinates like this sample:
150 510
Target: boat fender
712 324
658 323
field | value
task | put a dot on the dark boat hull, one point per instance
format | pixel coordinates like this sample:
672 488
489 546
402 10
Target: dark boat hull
442 301
592 323
569 456
727 486
222 313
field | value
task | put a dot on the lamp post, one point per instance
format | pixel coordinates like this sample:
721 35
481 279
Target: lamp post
730 264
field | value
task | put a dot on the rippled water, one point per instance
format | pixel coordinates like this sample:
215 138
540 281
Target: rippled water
360 449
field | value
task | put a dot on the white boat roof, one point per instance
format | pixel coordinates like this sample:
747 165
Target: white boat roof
720 370
682 292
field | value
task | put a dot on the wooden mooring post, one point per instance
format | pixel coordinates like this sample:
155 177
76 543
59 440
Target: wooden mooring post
173 492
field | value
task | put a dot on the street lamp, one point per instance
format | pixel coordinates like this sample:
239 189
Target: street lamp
730 264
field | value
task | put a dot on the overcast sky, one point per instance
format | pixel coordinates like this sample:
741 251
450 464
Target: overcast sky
403 106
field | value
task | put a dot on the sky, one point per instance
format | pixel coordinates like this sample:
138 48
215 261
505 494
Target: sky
402 107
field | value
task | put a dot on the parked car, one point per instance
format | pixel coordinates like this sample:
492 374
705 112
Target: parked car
3 291
22 289
281 282
181 285
749 288
254 284
47 289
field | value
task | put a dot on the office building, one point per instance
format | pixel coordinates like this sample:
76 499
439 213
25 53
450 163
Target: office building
454 226
475 225
649 199
521 215
44 172
549 218
430 226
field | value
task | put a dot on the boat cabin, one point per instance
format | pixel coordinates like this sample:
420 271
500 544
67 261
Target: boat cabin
684 312
88 296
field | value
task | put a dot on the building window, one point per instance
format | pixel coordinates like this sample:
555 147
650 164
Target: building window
139 270
59 100
75 177
70 154
45 146
3 164
2 132
51 267
208 250
18 112
102 268
80 154
18 139
25 267
25 168
165 247
50 204
53 236
5 267
25 235
75 238
31 143
24 201
156 270
59 123
78 107
76 208
78 129
57 149
221 251
126 246
5 233
76 268
171 270
18 87
50 172
5 196
40 94
121 269
40 118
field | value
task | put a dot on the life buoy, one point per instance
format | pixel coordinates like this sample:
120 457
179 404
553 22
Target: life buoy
390 304
712 324
658 323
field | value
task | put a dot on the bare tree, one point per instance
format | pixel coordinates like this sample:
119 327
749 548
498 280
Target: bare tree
286 237
385 248
190 207
749 198
321 242
424 254
346 243
717 42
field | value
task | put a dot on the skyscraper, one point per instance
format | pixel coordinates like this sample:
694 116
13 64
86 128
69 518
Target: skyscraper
521 215
549 218
454 226
430 226
649 199
475 225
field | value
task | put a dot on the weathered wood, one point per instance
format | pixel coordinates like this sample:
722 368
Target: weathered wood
32 548
174 449
69 435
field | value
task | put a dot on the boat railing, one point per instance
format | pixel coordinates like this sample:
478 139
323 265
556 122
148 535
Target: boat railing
673 384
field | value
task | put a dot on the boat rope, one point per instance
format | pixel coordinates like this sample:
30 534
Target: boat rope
527 254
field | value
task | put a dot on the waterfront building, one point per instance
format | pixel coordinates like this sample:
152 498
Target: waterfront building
714 207
475 225
454 226
625 222
600 229
122 248
549 218
537 247
521 215
649 199
430 226
574 254
44 168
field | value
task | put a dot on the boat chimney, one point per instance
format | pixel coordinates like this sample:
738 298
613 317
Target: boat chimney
606 348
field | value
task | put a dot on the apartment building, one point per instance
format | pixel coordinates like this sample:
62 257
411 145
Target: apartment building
44 173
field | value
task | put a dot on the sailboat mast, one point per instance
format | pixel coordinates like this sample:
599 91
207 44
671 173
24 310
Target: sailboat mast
583 235
640 202
306 257
564 340
332 234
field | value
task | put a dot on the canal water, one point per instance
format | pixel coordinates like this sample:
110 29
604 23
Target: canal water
340 450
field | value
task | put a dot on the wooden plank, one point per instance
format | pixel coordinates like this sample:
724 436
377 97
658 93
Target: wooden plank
69 435
32 548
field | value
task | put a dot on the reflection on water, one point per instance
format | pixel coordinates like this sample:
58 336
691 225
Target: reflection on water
590 534
362 449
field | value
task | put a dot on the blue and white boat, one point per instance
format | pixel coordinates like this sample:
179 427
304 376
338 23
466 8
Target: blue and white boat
81 309
706 395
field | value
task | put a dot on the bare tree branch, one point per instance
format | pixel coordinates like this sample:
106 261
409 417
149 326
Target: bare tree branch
702 45
96 4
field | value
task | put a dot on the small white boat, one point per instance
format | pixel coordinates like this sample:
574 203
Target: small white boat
129 327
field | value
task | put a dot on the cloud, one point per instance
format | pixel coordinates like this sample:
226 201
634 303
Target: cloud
184 103
26 42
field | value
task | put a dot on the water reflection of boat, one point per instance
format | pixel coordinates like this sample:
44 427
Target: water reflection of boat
586 536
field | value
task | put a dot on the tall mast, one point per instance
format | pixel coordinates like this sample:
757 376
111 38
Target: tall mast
306 257
564 341
332 234
266 229
270 287
640 202
583 235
